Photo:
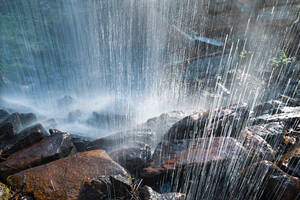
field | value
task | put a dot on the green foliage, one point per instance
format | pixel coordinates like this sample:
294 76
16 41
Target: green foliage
281 60
243 56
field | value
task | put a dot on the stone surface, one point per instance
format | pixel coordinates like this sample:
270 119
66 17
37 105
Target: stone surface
179 153
121 187
4 192
257 147
147 193
161 124
108 120
286 117
273 133
50 148
227 121
117 139
132 157
80 142
27 118
10 126
62 178
26 138
264 180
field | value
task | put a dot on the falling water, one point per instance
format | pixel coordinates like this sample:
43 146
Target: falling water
133 59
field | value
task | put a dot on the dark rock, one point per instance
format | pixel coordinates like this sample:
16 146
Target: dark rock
273 133
27 118
161 124
264 180
51 148
4 192
10 126
115 140
26 138
108 120
3 114
81 143
227 121
147 193
193 164
257 147
132 157
62 178
293 102
121 187
108 187
64 102
289 118
172 155
270 107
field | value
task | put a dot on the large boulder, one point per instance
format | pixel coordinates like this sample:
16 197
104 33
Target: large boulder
62 178
51 148
257 147
26 138
147 193
133 157
10 126
264 180
228 121
193 164
80 142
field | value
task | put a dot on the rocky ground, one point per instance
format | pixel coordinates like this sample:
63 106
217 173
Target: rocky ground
231 153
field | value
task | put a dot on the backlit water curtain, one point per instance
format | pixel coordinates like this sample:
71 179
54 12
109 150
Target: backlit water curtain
207 91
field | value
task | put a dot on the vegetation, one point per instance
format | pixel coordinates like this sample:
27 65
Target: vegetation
281 60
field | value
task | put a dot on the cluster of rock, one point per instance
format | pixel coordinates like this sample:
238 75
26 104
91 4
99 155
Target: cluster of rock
229 153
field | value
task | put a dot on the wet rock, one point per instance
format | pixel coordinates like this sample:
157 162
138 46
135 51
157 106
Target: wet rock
132 157
108 187
26 138
172 155
187 165
273 133
161 124
3 114
121 187
289 117
10 126
108 120
27 118
227 121
62 178
293 102
264 180
115 140
257 147
51 148
66 101
4 192
81 143
270 107
147 193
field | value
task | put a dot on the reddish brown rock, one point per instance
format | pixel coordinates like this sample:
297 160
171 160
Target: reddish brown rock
47 150
62 178
227 121
265 181
180 153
